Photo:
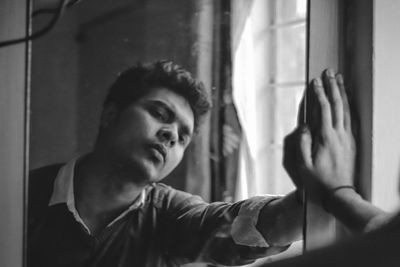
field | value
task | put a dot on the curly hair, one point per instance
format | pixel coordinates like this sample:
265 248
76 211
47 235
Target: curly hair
139 80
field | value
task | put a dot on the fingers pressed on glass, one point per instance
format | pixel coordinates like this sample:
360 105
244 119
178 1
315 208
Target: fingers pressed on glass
346 106
309 109
289 156
301 111
335 98
305 146
326 115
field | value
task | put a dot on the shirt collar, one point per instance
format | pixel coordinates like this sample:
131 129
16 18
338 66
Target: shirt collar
63 189
63 192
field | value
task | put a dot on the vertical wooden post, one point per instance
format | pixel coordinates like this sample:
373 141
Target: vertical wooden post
325 35
359 81
13 82
341 37
386 94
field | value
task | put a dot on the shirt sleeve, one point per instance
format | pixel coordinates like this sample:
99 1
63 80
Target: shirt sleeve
243 229
219 233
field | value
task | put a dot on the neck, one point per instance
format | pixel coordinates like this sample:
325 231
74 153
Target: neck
101 191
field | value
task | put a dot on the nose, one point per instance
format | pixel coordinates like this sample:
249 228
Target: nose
168 136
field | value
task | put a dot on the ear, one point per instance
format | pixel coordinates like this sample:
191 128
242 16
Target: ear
108 115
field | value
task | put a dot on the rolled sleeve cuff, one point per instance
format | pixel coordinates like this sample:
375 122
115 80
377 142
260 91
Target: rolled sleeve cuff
243 230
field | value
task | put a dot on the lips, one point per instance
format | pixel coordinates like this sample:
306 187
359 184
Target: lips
161 150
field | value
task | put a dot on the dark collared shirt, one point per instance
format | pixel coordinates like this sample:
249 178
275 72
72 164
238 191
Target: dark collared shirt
165 227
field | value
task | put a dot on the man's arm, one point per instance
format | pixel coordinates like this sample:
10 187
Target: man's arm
378 248
355 213
192 230
280 222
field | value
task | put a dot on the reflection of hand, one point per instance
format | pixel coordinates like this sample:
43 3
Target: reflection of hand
231 140
325 160
292 157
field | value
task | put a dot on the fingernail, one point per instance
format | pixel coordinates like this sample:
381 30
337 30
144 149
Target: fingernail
317 82
330 73
339 78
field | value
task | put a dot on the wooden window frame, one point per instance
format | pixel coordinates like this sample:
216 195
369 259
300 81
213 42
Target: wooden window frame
14 120
359 38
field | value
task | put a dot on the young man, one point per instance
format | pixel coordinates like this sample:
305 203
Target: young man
108 208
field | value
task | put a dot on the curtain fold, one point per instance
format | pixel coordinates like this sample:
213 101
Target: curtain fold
226 129
240 10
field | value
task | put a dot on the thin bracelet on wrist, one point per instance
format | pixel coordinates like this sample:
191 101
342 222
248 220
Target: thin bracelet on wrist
330 194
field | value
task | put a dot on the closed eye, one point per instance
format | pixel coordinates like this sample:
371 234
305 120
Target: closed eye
161 114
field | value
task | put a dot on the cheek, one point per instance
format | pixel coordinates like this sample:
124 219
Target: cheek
137 129
174 159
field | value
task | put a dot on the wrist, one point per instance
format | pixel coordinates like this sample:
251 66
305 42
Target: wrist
337 193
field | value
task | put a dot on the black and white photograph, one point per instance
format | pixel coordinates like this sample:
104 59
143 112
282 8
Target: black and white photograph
199 133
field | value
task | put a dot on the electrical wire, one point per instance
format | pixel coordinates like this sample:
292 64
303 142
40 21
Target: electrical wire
43 11
58 13
52 10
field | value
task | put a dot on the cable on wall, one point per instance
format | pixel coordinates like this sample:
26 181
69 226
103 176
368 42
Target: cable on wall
58 11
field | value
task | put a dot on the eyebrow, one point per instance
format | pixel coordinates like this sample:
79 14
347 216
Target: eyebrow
173 114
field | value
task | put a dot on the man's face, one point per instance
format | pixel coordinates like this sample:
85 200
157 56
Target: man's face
149 137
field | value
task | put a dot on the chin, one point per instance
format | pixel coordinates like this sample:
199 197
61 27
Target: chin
142 178
140 172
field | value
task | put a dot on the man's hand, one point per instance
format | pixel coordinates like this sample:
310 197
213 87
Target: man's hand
325 159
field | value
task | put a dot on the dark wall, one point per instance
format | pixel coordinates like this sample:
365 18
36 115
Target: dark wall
54 89
119 35
75 64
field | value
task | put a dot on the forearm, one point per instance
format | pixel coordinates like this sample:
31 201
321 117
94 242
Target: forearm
280 222
353 211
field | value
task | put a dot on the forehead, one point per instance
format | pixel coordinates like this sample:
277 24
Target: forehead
177 103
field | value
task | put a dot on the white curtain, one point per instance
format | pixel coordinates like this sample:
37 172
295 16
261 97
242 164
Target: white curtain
265 112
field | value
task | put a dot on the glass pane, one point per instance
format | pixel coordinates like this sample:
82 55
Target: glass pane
290 49
285 118
286 108
288 10
288 100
